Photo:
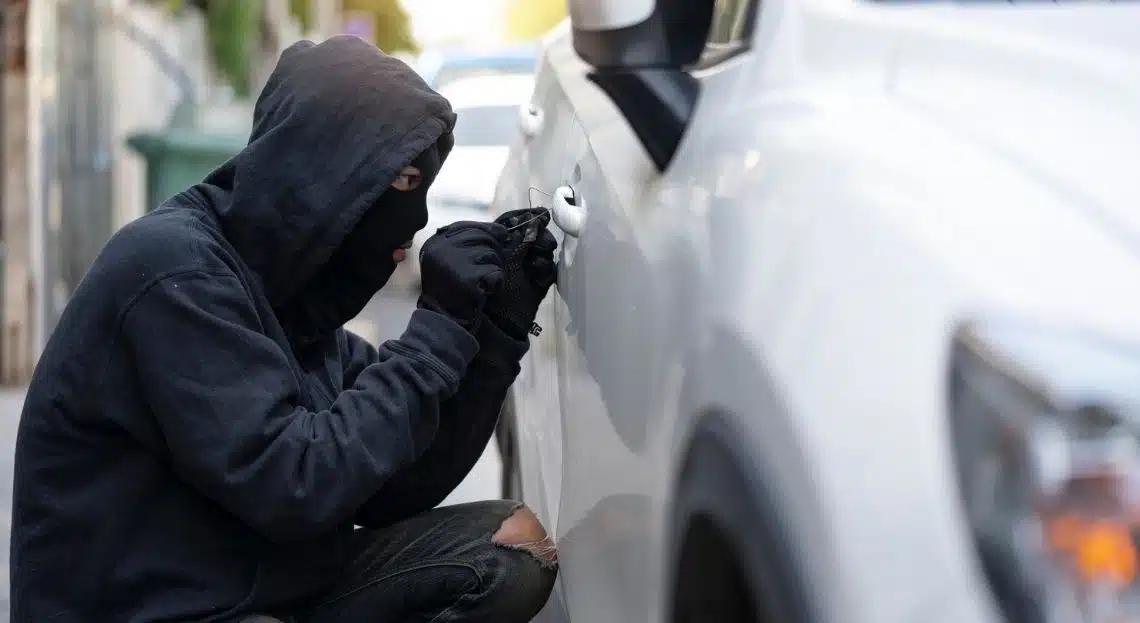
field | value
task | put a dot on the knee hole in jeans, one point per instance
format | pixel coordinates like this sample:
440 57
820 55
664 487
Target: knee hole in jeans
523 532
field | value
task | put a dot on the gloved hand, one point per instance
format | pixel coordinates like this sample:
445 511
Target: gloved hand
528 268
460 265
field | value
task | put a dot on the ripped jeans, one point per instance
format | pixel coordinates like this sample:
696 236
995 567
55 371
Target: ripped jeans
463 563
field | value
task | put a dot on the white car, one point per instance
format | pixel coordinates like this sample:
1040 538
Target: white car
847 324
488 111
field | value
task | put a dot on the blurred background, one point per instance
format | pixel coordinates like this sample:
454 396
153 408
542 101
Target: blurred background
111 106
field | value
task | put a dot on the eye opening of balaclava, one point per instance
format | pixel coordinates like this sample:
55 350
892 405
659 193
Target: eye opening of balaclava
366 252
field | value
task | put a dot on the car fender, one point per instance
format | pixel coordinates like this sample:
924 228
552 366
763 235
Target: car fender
739 413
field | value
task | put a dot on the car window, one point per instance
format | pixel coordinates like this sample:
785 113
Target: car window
730 30
486 126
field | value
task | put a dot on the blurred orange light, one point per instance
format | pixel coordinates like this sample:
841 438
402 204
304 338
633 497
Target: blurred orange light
1100 550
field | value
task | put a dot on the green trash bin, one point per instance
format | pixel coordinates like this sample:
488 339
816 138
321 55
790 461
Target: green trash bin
179 158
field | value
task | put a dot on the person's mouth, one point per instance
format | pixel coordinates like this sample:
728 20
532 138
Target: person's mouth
402 252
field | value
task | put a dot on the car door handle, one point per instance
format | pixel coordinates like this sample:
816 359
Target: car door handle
568 211
530 120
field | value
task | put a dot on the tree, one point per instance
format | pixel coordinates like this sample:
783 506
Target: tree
393 27
530 19
234 28
303 11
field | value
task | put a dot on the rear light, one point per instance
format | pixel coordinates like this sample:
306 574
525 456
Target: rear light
1045 432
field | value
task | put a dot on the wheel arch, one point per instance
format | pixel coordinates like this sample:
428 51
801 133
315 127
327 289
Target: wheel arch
721 485
740 464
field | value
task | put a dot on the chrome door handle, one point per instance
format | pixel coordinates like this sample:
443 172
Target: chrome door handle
568 210
530 120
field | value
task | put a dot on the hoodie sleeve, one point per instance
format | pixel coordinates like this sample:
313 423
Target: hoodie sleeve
466 423
226 399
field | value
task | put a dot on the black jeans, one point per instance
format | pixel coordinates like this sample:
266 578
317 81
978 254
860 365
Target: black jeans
441 567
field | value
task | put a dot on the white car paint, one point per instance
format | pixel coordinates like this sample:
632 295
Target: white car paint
467 179
860 180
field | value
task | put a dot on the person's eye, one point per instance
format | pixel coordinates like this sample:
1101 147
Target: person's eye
408 179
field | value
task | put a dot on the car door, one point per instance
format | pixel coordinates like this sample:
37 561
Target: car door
611 360
547 149
628 282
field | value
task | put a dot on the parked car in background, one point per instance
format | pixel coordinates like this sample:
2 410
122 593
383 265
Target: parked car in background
847 323
487 109
440 67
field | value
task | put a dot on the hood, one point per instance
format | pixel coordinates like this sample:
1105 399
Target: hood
332 128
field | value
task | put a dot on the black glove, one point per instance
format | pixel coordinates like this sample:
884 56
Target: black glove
528 268
460 265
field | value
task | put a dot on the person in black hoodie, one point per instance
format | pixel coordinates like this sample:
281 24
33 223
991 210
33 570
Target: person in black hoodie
202 441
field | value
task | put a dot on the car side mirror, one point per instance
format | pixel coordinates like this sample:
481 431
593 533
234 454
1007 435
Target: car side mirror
639 51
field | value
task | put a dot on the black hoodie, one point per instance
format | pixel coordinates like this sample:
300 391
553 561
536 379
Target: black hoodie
200 435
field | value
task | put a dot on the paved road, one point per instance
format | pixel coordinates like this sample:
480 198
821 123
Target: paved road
384 318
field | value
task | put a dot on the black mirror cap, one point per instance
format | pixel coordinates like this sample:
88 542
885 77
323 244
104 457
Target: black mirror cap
656 103
672 37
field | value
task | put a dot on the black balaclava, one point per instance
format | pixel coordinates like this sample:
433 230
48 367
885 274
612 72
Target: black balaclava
363 262
367 250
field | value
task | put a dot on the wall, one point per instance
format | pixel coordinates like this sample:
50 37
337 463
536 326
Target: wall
38 138
145 96
16 337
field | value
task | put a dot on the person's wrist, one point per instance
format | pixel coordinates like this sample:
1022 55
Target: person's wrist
511 322
471 324
469 321
509 329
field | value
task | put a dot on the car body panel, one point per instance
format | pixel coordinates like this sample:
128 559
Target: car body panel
861 180
543 160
